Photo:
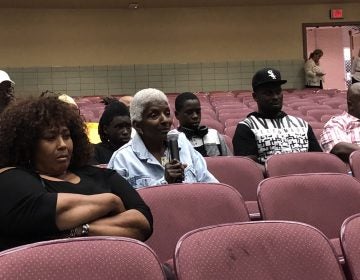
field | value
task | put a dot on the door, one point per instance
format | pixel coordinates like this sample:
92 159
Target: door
338 44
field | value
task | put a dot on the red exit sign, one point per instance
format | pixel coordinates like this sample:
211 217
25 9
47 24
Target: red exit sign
336 14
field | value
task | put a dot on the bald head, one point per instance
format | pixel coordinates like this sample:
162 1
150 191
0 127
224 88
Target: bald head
353 100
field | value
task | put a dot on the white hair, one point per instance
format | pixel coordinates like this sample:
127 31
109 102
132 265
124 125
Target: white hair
141 99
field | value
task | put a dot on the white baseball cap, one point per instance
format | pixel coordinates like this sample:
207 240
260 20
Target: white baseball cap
5 77
68 99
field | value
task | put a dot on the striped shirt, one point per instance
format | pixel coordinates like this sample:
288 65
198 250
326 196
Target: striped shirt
341 128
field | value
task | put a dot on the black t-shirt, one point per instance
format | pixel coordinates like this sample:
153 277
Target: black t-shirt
103 153
28 203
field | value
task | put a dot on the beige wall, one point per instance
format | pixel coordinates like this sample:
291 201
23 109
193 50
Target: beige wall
156 36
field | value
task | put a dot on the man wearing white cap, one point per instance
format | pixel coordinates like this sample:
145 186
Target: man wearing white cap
6 90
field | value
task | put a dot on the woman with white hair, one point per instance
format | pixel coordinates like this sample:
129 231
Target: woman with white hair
145 160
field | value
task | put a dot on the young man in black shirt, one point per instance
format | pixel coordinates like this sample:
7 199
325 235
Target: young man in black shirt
207 141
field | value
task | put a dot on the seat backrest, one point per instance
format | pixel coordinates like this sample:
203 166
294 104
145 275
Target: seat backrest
305 108
318 132
232 122
307 162
213 124
81 258
323 200
350 243
354 162
179 208
230 131
316 124
319 113
228 141
240 172
233 115
296 104
256 251
334 102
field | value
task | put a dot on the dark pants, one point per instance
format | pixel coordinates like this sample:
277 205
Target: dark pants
319 87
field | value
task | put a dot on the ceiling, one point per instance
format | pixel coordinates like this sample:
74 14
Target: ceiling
124 4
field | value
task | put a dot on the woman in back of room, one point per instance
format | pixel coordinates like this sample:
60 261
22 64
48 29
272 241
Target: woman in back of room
314 76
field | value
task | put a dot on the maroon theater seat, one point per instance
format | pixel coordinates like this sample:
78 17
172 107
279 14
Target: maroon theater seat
179 208
305 162
350 242
319 113
296 104
230 131
89 258
323 200
243 174
211 123
354 162
228 141
306 108
256 251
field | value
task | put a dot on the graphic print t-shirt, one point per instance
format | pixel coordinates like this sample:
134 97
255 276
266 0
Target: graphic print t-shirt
264 137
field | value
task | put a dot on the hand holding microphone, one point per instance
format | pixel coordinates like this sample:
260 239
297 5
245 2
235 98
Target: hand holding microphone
172 143
174 169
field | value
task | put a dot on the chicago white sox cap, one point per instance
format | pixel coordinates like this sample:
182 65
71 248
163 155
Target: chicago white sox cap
266 76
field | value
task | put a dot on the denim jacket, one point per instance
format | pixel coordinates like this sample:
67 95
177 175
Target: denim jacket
141 169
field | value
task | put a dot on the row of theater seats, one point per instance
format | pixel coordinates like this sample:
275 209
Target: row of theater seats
223 110
205 233
322 200
245 175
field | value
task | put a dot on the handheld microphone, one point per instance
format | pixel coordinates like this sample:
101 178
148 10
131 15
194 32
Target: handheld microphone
172 142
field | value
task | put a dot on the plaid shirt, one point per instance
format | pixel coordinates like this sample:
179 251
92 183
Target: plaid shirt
341 128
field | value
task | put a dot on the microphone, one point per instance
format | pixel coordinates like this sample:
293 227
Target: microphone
172 142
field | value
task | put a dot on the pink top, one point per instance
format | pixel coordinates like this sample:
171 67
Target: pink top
341 128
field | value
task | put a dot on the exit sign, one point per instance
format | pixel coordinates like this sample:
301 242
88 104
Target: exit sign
336 14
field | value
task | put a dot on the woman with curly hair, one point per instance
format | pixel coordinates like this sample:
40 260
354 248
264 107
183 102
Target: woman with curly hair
48 190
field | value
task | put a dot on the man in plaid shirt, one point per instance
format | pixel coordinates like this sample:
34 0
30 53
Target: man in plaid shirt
341 134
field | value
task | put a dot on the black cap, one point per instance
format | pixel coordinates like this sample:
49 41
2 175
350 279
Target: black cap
266 76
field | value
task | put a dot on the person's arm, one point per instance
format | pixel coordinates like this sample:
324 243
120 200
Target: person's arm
343 150
130 223
334 132
27 209
313 142
309 68
73 210
135 221
244 142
